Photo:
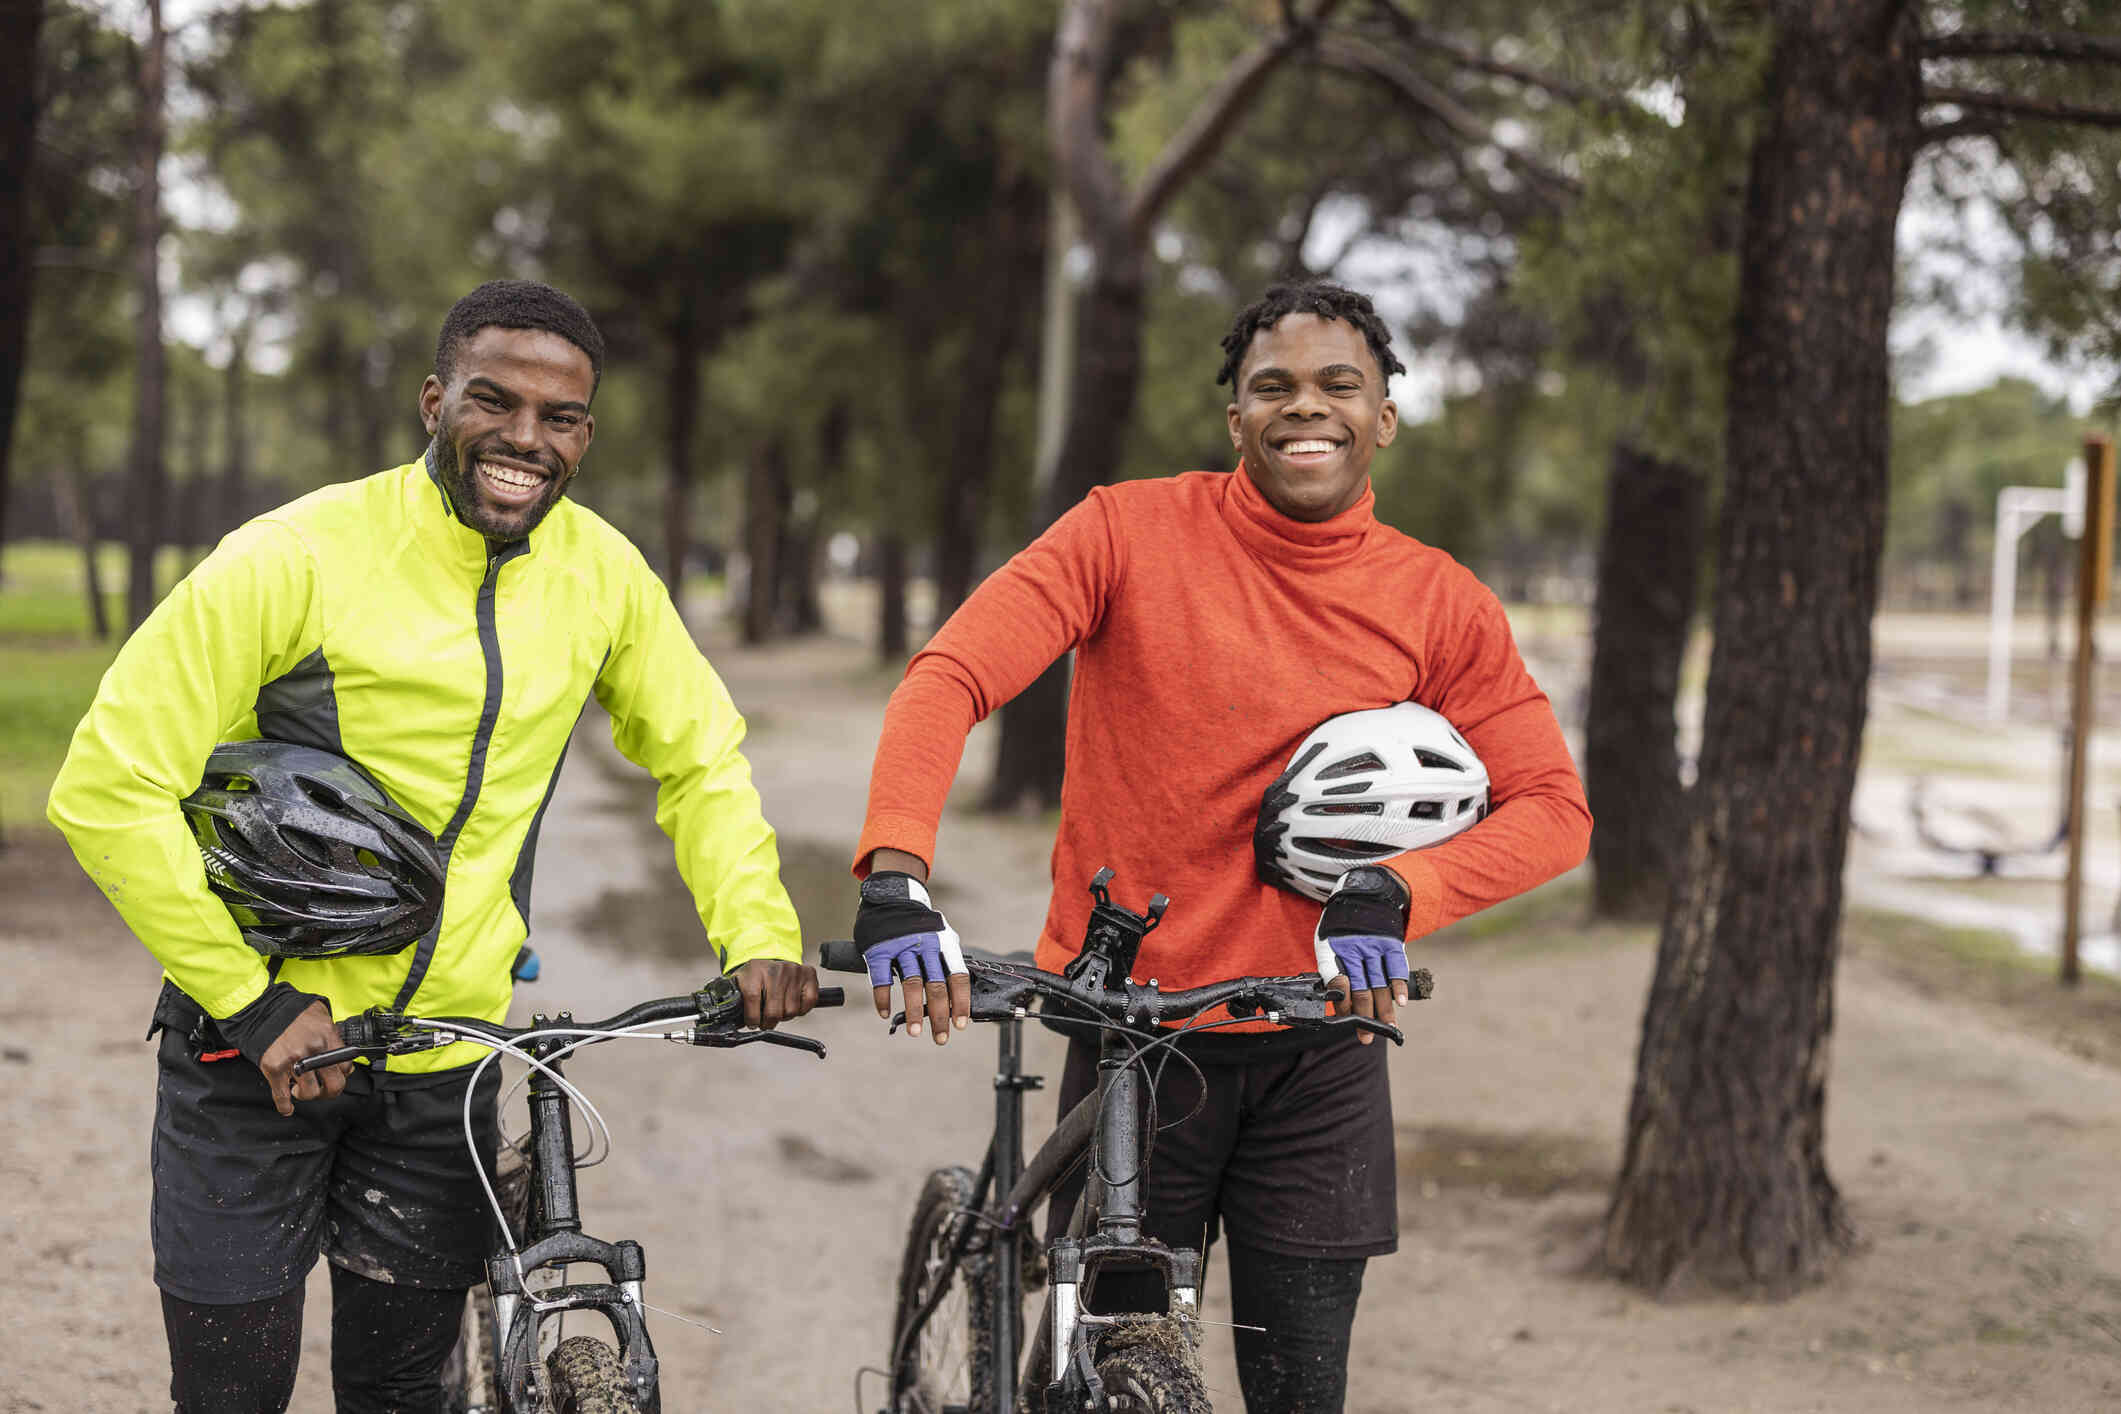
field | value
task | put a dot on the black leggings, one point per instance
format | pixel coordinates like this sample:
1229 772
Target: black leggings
388 1343
1298 1362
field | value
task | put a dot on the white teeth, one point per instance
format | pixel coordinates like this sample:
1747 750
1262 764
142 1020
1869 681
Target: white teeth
509 476
1297 449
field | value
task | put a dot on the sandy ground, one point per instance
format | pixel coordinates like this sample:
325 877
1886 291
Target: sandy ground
1979 1159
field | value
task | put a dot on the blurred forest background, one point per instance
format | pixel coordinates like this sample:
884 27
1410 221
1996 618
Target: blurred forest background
889 286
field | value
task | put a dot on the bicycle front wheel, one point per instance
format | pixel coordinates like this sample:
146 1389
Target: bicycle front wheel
1146 1379
588 1379
944 1366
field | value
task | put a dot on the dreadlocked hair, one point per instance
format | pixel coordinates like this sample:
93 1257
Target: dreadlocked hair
1309 297
518 304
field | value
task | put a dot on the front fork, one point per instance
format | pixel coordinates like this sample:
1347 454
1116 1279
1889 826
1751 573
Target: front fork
556 1240
1119 1140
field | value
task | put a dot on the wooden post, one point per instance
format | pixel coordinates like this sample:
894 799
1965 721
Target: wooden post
2096 549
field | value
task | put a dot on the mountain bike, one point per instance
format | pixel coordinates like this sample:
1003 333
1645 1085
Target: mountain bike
958 1331
496 1367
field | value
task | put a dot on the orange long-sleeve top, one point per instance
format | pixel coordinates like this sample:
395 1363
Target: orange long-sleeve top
1212 634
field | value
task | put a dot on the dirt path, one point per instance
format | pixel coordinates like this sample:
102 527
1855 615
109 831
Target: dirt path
770 1189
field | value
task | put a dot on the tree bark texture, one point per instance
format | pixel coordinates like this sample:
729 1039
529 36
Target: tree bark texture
1031 756
891 642
1648 563
682 402
801 605
1015 245
1117 222
1724 1177
74 493
766 501
20 23
235 436
149 474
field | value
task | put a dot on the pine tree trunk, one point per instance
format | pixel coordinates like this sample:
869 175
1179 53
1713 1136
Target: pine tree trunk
74 492
766 498
891 644
1032 753
20 22
1724 1178
1647 570
149 475
235 437
682 399
1014 248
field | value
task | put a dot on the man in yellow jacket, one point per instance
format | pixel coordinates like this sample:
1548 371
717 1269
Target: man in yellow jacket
442 624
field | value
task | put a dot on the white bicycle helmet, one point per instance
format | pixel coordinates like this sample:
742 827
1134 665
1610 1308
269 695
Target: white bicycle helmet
1364 786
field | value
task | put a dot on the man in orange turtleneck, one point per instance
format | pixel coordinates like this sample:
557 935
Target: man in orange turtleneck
1216 620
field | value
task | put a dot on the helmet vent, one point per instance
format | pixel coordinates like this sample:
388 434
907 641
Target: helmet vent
1426 810
1363 761
1436 760
1347 849
1347 807
307 845
1351 788
320 794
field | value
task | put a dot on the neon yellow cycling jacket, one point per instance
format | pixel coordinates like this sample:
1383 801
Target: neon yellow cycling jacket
367 620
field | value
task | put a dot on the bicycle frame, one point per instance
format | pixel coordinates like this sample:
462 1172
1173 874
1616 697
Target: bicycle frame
555 1239
1106 1225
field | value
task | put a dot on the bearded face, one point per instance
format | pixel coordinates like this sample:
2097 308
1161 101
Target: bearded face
510 428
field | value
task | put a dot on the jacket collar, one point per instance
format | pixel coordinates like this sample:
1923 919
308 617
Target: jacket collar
1302 544
453 541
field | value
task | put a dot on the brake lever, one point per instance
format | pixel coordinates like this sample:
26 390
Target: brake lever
730 1040
395 1046
1372 1025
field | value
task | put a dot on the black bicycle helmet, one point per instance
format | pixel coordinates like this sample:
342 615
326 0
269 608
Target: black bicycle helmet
312 857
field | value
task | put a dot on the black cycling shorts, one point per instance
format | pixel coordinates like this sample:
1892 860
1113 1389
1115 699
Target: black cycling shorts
377 1178
1292 1151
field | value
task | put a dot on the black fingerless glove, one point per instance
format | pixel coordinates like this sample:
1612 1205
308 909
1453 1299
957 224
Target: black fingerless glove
894 905
253 1029
1371 901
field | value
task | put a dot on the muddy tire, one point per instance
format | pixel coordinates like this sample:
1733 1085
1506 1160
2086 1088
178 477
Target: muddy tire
588 1379
947 1363
1146 1379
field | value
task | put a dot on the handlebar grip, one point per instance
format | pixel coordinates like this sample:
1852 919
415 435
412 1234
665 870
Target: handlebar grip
841 955
832 996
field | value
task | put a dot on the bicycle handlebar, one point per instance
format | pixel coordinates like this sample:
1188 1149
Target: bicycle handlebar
716 1011
1000 989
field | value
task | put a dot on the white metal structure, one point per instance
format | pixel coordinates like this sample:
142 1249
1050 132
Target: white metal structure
2019 509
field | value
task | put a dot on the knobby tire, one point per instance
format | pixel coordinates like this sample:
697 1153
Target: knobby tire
588 1379
1148 1379
947 1364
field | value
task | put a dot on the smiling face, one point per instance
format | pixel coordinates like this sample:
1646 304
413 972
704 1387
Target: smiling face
510 427
1311 411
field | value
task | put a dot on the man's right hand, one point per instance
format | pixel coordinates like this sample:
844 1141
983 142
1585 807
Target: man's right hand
312 1033
900 933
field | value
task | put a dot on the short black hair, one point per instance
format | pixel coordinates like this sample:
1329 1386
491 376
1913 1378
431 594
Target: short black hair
519 304
1317 297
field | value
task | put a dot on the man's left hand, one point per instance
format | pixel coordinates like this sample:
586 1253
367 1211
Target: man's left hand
1359 945
774 991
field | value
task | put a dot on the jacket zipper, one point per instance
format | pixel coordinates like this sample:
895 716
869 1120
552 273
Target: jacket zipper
475 770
